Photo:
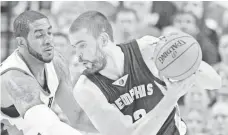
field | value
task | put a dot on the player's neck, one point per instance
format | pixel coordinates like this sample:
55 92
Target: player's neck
115 62
35 66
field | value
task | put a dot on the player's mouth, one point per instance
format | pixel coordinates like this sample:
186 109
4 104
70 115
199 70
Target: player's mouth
49 49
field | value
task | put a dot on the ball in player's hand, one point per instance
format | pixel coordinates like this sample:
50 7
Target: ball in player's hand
177 56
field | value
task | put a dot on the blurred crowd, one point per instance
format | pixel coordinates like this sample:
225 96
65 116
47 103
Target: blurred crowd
204 111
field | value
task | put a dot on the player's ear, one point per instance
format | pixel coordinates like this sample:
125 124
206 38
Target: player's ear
103 39
21 41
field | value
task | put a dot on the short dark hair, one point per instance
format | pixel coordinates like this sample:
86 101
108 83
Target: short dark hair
21 23
95 22
124 9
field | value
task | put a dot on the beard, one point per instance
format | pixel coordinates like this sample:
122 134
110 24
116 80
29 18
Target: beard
38 55
96 65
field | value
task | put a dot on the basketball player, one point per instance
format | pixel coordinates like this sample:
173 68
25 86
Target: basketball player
34 79
121 84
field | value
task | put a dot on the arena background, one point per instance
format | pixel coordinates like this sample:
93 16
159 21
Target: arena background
206 21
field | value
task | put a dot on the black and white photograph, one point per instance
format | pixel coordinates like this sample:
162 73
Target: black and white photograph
114 68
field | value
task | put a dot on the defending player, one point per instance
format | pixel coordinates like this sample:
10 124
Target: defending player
121 84
34 78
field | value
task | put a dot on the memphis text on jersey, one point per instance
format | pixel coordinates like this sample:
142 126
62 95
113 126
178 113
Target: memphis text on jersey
135 93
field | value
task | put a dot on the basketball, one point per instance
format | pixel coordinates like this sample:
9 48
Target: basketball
177 56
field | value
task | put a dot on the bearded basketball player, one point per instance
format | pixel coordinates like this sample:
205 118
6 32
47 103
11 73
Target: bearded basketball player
120 89
34 79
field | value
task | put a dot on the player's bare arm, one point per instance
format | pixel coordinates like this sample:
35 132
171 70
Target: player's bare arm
22 90
65 98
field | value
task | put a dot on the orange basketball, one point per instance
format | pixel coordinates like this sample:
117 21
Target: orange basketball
177 56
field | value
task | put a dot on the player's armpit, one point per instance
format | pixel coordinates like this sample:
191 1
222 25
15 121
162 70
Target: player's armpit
107 119
207 77
22 90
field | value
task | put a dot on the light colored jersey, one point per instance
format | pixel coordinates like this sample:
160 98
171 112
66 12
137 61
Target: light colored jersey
14 62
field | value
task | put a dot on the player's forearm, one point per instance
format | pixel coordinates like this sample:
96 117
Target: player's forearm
65 99
84 124
85 127
109 122
153 121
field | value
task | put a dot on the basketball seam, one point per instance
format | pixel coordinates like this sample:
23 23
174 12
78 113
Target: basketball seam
167 43
177 57
190 67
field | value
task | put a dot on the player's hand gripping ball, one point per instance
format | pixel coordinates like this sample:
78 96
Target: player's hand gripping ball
177 56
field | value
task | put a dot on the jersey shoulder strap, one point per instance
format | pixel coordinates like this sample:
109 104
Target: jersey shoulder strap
133 54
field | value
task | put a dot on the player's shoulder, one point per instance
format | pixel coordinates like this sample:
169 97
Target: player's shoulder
16 76
18 83
84 82
85 88
146 41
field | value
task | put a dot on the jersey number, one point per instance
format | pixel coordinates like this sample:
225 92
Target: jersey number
139 114
50 102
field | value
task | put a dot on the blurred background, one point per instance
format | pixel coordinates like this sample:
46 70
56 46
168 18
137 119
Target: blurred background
205 112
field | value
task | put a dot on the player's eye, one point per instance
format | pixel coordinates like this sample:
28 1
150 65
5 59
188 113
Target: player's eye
73 46
82 45
49 33
39 35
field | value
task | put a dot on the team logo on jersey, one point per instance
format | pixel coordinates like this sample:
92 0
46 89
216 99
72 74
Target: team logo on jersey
121 82
135 93
50 102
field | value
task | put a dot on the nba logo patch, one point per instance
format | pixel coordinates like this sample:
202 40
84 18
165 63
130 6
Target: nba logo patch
121 82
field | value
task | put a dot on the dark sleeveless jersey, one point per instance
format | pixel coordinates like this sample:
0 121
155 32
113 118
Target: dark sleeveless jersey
140 94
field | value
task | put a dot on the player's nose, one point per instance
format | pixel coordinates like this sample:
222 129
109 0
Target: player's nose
80 57
48 40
